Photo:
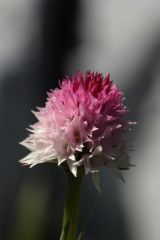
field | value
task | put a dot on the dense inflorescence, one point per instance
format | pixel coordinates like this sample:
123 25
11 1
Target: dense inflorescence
83 124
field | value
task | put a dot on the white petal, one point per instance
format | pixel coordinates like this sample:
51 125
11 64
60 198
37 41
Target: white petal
37 157
94 129
97 151
87 169
27 145
78 163
72 157
61 160
96 181
72 168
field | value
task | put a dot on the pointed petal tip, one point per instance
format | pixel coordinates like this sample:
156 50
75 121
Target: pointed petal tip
96 181
72 167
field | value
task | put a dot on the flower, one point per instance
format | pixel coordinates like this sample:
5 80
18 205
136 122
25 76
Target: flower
81 124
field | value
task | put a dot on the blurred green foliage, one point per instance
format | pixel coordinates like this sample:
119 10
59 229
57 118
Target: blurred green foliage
29 212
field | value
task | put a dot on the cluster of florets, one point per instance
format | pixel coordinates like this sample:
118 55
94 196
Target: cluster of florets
81 124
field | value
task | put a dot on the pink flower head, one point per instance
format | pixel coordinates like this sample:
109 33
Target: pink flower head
82 123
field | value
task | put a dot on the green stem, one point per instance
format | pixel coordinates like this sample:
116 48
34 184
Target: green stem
71 206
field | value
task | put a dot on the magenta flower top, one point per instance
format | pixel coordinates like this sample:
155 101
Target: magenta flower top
82 123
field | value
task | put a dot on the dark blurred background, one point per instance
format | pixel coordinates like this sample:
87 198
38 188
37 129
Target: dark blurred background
40 42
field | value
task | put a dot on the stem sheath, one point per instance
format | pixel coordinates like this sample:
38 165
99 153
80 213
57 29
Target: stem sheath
71 206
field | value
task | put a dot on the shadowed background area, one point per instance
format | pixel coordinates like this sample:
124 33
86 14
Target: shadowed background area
40 42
